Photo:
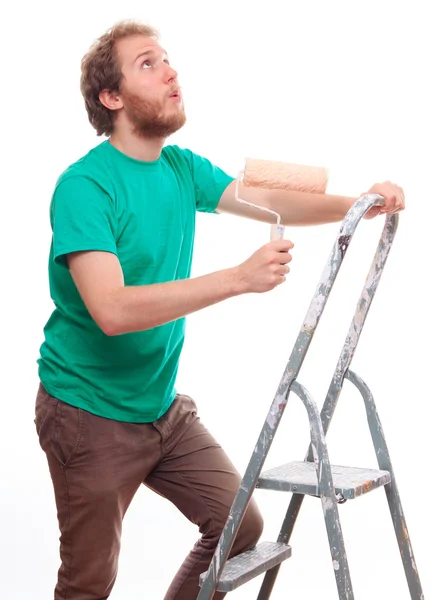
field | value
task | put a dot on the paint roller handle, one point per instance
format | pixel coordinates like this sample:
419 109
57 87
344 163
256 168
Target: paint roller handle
276 232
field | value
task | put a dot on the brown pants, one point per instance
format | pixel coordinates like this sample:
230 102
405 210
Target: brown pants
98 464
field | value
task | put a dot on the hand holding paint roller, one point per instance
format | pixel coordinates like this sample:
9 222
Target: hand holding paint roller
266 268
282 176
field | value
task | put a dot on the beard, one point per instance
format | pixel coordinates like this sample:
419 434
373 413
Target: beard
148 117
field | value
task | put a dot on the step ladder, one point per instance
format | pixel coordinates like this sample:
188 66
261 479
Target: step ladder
315 476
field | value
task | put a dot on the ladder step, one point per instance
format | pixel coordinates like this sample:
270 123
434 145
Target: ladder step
248 565
300 477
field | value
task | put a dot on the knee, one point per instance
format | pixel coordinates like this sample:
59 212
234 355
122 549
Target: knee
250 530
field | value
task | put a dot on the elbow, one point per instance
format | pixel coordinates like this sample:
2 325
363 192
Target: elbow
108 324
109 327
110 314
107 318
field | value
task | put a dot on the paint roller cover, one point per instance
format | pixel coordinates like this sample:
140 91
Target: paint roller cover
285 176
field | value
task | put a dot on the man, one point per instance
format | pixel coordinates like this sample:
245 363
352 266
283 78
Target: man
108 415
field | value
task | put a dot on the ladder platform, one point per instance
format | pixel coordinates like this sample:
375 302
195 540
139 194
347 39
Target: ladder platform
248 565
301 477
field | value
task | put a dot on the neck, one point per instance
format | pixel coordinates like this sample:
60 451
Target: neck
146 149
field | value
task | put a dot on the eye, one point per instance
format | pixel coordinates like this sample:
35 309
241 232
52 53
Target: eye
147 63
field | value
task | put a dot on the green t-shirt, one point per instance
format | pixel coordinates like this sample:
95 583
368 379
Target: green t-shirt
144 213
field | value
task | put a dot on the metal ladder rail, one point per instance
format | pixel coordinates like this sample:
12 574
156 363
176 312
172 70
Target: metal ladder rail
327 494
384 246
254 468
391 489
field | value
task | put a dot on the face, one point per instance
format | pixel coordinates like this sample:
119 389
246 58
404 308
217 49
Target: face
150 93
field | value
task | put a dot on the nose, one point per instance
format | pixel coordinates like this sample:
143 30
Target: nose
171 74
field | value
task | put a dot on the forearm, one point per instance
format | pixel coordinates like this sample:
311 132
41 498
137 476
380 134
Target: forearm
137 308
300 208
295 208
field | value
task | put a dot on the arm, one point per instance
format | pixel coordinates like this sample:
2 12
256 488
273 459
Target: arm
119 309
85 228
84 241
300 208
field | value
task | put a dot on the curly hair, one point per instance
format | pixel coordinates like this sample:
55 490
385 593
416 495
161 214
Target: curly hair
100 70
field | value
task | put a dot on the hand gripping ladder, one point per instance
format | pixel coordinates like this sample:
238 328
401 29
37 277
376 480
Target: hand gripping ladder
315 476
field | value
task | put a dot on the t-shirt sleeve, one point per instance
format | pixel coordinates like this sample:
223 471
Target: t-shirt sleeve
83 218
210 182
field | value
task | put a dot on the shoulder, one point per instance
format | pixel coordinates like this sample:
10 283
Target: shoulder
178 157
92 169
208 180
196 163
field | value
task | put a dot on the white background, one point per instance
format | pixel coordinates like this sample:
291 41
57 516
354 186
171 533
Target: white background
348 85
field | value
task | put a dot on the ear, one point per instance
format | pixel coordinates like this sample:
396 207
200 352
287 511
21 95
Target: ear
111 100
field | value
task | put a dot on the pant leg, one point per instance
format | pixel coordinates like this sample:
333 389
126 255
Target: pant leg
196 475
96 466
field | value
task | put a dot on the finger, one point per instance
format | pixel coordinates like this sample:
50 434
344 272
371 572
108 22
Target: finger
282 245
401 198
281 258
391 202
284 257
399 203
282 279
393 197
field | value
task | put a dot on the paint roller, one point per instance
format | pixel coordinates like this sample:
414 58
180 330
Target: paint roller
280 176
